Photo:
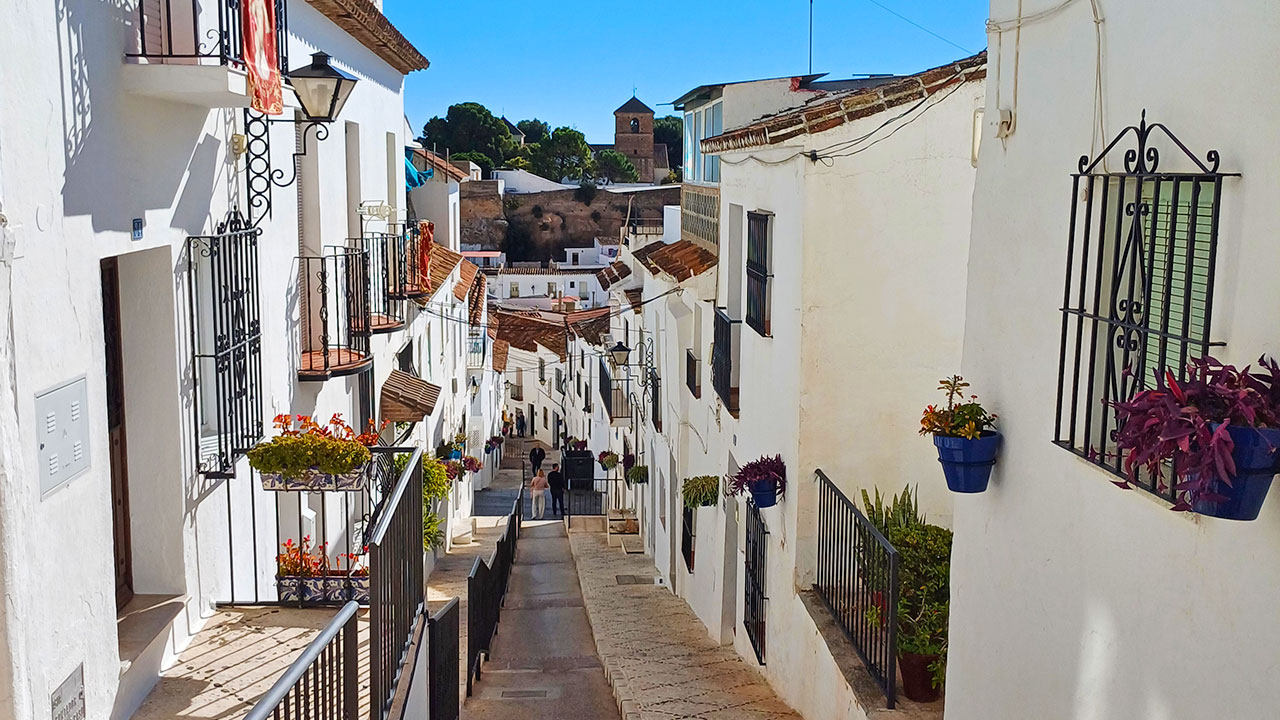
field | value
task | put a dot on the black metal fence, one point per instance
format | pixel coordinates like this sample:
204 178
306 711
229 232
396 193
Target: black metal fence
385 310
597 496
442 663
397 594
323 682
754 596
857 579
334 314
486 589
226 343
723 353
201 31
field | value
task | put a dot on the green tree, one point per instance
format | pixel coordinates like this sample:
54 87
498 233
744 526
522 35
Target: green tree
669 130
470 127
535 130
479 158
614 167
563 154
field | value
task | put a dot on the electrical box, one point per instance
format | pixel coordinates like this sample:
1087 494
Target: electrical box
62 431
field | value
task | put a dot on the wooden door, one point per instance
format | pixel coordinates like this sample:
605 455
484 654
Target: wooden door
116 431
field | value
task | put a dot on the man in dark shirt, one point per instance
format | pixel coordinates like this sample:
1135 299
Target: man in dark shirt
536 456
556 479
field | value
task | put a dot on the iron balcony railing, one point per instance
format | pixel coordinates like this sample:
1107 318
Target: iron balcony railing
486 587
613 393
517 392
857 579
692 374
226 341
202 31
477 345
397 597
724 356
385 310
335 322
409 264
755 597
323 683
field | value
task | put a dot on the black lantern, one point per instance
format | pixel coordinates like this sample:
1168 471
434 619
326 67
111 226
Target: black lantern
619 354
322 89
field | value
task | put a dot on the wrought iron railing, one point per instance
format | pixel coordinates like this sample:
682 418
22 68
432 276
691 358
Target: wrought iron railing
226 340
477 344
201 31
486 589
613 393
724 354
1140 275
596 496
700 215
857 579
692 374
758 272
755 596
409 264
517 392
385 311
335 314
397 595
442 663
323 683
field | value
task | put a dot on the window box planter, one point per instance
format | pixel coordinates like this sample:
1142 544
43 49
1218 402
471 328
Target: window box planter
1255 458
323 589
315 481
967 463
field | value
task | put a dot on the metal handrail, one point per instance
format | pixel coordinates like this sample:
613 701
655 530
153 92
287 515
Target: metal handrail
266 706
383 524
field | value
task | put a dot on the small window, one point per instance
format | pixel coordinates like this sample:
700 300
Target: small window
542 370
515 290
575 258
551 289
545 423
687 537
635 125
758 232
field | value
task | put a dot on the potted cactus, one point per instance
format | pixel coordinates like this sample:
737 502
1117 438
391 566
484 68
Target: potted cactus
764 478
309 456
965 436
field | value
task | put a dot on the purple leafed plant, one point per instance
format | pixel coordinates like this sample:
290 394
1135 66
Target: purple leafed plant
758 471
1171 426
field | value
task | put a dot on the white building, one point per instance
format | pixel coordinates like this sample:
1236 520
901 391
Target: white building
571 281
165 260
1070 597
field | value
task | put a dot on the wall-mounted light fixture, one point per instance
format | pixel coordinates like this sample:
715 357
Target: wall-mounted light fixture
322 92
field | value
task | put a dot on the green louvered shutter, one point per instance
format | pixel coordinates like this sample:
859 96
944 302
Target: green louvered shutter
1175 275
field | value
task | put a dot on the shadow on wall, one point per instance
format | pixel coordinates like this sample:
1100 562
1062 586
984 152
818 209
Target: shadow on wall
124 154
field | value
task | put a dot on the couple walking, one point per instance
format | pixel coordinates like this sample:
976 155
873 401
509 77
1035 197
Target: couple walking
542 482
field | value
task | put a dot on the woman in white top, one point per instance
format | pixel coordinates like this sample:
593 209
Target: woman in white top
539 486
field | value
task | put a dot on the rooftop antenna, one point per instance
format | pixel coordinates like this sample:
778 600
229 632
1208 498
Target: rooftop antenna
810 37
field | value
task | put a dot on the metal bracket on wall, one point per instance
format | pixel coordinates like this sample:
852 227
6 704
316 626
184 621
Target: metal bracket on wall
259 175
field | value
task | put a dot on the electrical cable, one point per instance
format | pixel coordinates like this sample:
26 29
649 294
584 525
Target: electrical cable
918 25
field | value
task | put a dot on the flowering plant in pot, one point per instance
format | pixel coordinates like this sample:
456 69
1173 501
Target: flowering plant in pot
471 464
349 584
765 478
309 456
638 475
700 491
580 445
924 596
300 571
965 435
454 469
607 459
1215 435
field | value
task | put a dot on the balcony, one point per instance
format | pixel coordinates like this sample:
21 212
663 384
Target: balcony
408 265
385 312
477 343
613 394
724 359
334 315
192 51
693 374
700 216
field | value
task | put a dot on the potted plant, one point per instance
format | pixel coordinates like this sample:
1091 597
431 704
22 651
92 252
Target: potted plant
888 515
924 596
432 531
628 461
765 478
1216 434
471 464
309 456
580 445
700 491
300 572
965 435
351 584
453 469
638 475
608 460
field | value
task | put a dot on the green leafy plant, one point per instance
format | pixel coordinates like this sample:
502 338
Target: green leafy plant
638 475
435 481
761 470
700 491
304 445
432 531
901 512
924 596
961 419
607 459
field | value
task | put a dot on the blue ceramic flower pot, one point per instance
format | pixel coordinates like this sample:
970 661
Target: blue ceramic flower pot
967 463
764 493
1255 455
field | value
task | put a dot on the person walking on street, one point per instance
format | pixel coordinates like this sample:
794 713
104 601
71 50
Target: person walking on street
520 424
539 486
556 482
536 456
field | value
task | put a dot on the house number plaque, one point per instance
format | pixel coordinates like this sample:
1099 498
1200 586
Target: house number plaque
68 700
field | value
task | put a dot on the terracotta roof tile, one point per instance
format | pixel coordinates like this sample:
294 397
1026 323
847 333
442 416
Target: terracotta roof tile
614 274
362 21
590 325
839 108
443 261
407 398
636 298
681 260
526 332
438 164
500 350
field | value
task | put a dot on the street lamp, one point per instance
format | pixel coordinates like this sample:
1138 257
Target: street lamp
618 353
322 89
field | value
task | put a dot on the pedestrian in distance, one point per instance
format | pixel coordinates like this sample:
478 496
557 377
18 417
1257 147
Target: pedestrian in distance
536 456
539 486
520 424
556 482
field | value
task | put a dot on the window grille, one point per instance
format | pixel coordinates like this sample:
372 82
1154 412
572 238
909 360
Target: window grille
758 272
1138 295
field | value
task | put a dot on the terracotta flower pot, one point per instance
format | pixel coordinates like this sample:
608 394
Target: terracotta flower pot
917 681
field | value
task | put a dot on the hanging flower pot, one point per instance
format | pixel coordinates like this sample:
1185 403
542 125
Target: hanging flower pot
765 479
638 475
1255 458
608 460
965 436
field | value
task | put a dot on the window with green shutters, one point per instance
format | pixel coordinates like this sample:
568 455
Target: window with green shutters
1180 221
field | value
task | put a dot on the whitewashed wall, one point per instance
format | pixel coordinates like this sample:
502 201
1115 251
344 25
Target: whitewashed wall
1071 598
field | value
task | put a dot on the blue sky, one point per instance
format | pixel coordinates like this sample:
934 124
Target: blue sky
572 62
